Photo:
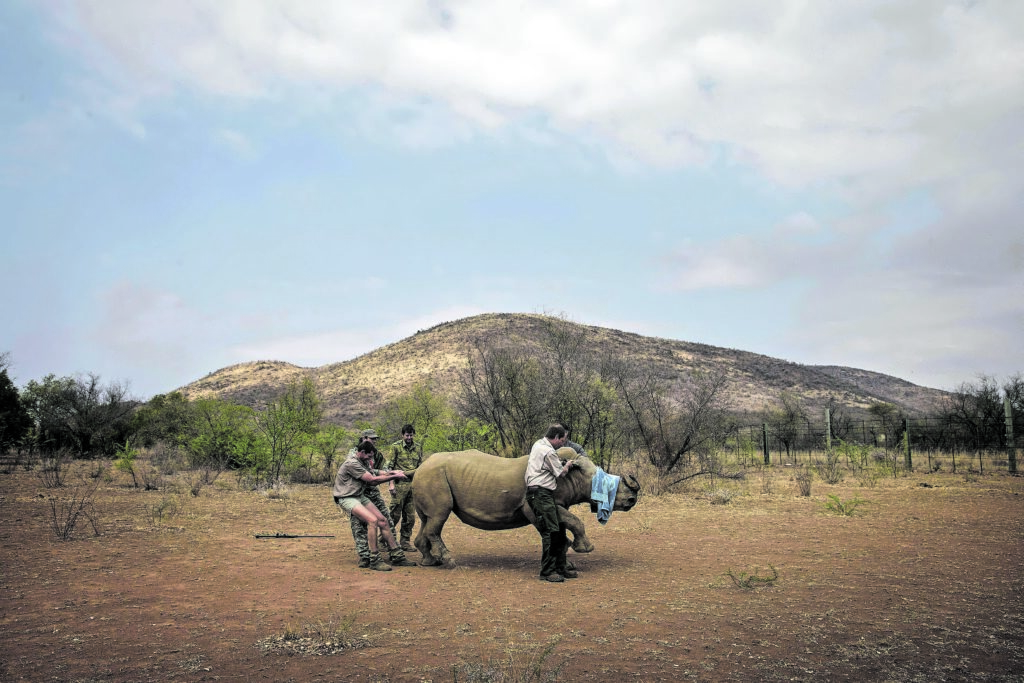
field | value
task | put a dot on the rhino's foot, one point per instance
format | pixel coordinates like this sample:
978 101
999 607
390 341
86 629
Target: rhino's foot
448 563
582 545
429 561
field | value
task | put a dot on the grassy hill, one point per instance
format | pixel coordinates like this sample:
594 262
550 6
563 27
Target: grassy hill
356 389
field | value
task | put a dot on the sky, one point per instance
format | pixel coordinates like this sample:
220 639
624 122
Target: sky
189 184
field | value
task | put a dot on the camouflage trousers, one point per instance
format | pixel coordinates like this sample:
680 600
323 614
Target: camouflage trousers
359 529
403 511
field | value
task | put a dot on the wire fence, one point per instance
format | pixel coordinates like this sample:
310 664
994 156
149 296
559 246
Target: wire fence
924 444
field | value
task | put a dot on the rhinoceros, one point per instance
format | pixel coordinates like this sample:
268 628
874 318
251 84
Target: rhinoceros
488 492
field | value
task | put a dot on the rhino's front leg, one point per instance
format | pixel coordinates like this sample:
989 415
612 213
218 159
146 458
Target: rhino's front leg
573 524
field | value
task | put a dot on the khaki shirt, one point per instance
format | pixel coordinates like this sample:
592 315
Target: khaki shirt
348 482
543 467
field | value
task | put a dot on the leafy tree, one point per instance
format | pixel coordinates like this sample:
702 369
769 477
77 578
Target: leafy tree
439 427
289 423
79 413
221 434
327 442
164 418
425 410
15 421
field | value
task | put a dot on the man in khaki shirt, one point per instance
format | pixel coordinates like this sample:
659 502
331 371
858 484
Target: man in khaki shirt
542 471
354 476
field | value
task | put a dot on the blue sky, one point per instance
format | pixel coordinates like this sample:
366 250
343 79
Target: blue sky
187 185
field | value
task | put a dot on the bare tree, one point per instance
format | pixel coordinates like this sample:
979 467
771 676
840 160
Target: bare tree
840 421
508 388
786 420
677 431
976 413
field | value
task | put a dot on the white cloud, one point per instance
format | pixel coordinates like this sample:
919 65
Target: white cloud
862 94
237 142
864 102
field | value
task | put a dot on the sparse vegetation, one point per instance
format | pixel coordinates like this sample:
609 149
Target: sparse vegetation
803 477
53 468
519 666
273 490
830 469
721 496
318 637
70 507
754 579
847 508
166 507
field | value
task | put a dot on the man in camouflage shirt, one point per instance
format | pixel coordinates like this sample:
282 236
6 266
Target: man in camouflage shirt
397 556
406 455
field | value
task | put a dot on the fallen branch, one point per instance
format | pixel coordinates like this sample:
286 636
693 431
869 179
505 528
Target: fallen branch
280 535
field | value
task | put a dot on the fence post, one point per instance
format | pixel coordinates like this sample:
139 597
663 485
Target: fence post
908 463
764 442
828 429
1011 445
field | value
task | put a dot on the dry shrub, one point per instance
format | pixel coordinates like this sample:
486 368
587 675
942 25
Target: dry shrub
721 496
803 478
53 468
521 666
274 490
830 469
75 504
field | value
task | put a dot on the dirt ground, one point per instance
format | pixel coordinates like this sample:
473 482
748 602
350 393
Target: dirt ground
923 584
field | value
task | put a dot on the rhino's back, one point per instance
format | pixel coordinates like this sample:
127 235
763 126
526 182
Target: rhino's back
483 490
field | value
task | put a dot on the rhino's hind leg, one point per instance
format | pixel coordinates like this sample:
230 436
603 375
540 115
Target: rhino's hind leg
573 524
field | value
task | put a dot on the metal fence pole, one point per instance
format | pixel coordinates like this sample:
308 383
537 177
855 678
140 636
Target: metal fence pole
828 429
764 442
1011 445
907 462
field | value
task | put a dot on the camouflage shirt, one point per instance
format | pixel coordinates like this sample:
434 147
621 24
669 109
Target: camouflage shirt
405 457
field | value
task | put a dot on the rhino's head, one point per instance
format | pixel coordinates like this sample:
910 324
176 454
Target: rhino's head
625 497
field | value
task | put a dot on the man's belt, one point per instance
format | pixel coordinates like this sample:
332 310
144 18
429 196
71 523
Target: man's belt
534 489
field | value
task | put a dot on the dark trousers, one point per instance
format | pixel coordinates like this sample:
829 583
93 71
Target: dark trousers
552 531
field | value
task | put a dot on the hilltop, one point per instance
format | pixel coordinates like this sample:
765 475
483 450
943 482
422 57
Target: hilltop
356 389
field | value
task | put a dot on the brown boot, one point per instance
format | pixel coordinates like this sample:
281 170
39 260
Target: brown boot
377 564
